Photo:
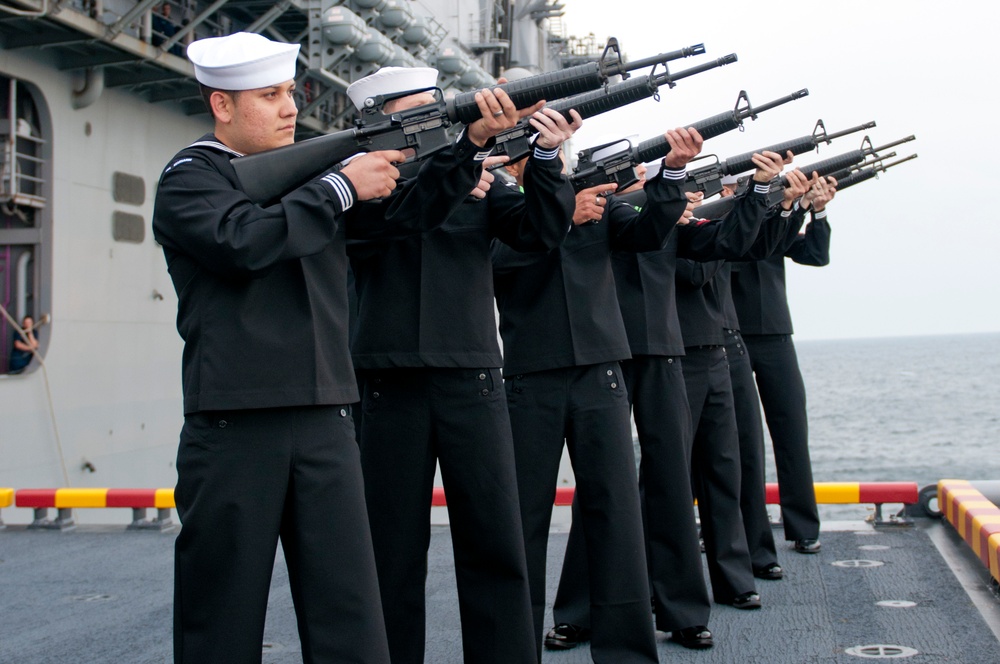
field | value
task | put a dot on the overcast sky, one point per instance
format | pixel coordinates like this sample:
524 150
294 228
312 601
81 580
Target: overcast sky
914 252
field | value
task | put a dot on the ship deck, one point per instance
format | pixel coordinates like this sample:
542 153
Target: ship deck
100 594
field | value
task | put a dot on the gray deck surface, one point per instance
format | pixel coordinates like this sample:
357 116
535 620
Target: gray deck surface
104 595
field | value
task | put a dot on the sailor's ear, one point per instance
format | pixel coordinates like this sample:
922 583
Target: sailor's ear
223 106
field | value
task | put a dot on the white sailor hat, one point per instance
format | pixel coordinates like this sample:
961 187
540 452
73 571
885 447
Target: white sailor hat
728 180
516 73
242 61
616 144
388 80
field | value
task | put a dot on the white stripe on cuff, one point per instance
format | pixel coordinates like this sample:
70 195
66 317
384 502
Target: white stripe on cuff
541 153
761 188
341 189
819 215
674 175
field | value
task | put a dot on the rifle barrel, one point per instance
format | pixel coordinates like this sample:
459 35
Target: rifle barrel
897 162
799 94
861 127
668 78
686 52
909 138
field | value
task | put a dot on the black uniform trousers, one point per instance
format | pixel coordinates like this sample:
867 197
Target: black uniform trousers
246 477
457 417
753 489
588 407
715 462
783 395
663 421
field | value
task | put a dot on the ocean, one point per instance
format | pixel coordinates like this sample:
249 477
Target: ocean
901 409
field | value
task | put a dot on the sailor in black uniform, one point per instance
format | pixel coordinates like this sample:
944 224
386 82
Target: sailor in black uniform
563 338
753 504
715 456
426 344
267 449
655 381
766 324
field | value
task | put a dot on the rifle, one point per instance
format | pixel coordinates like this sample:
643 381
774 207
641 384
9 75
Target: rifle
872 161
839 162
266 176
516 142
719 208
709 178
619 167
863 174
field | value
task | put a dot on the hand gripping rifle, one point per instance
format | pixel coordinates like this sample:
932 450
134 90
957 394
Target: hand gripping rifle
516 142
709 178
266 176
620 166
719 208
863 174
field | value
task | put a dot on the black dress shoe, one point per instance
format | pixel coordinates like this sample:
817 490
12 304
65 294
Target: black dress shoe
807 546
696 638
565 636
772 572
747 601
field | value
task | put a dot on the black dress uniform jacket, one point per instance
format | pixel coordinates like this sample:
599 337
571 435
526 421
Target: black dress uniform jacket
560 291
425 300
254 283
759 286
645 281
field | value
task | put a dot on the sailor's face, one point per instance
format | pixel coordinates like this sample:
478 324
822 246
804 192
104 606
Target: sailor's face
265 118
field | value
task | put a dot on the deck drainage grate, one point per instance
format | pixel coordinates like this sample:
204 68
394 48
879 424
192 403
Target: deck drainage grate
91 598
873 547
881 651
896 603
857 563
267 647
